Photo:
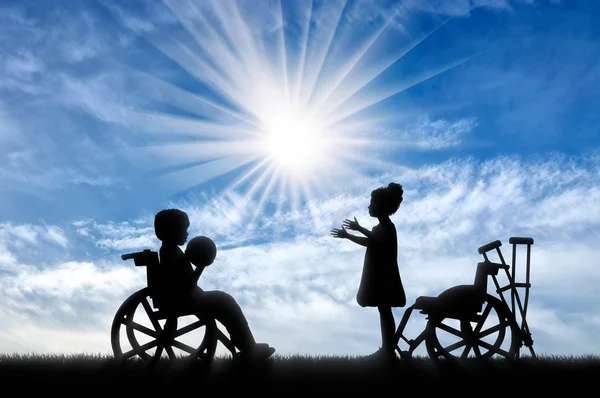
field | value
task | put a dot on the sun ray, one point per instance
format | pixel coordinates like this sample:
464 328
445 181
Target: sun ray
351 64
168 123
302 56
269 187
308 193
365 80
181 180
317 67
179 97
168 155
230 188
283 51
261 181
270 169
226 77
246 176
245 46
212 65
283 188
391 91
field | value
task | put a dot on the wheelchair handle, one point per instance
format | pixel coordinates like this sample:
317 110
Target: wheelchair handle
128 256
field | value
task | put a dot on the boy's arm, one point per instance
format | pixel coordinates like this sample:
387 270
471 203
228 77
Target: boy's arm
197 273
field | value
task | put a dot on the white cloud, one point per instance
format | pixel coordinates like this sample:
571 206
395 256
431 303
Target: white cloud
120 236
23 65
55 234
63 308
430 135
27 241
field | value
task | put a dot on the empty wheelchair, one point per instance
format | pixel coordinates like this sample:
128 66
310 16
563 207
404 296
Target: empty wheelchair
466 321
148 326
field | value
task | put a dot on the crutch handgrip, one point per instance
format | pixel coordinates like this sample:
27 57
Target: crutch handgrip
520 241
490 246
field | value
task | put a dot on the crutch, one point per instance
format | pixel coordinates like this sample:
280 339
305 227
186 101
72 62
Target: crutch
512 285
514 241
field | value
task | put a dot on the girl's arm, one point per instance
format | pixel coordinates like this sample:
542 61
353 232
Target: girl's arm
358 239
353 224
342 233
366 232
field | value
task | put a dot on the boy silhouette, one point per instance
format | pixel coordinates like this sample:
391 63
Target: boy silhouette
179 285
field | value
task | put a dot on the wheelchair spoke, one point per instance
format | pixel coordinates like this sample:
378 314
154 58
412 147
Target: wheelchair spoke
449 329
170 352
484 316
201 350
158 352
189 328
141 349
143 329
466 351
476 351
491 348
183 347
226 341
438 353
456 345
151 315
491 330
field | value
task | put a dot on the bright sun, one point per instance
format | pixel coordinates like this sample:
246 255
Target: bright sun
292 113
295 140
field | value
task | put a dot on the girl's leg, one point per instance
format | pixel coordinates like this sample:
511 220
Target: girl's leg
388 328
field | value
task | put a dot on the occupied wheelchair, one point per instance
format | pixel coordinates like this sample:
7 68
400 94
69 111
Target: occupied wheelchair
466 321
163 329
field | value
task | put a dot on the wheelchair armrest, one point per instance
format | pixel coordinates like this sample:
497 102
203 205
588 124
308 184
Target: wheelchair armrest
128 256
143 258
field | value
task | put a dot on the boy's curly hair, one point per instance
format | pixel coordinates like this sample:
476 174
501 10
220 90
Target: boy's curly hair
168 222
389 197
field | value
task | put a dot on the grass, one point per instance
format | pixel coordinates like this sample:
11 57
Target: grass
290 375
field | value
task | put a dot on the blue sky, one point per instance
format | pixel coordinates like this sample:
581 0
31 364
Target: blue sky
270 123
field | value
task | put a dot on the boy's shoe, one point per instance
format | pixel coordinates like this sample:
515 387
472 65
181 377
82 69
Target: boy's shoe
260 351
263 350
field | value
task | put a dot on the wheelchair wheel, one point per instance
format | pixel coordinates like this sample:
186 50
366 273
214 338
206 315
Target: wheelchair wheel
493 333
139 331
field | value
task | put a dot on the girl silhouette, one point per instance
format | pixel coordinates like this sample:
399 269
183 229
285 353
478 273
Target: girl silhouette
380 285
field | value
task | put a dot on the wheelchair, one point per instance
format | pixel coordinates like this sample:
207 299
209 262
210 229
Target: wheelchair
466 321
149 326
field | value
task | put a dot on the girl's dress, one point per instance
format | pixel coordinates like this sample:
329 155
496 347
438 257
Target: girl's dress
380 284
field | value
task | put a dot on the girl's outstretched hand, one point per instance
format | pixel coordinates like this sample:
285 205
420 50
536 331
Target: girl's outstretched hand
350 224
339 233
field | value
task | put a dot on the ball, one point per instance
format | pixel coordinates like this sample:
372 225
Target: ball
201 251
